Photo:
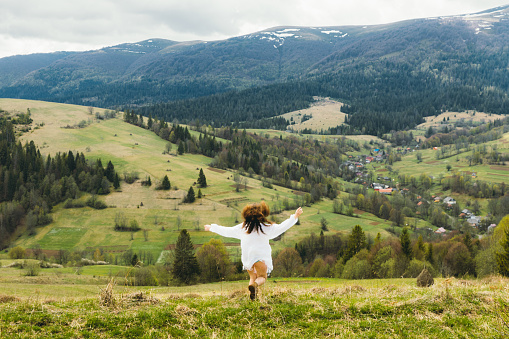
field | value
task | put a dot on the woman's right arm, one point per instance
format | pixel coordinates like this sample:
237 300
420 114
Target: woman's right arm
230 232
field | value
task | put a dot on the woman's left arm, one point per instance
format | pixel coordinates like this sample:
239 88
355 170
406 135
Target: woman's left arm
277 230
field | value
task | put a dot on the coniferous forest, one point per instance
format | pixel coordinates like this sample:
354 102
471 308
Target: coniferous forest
32 185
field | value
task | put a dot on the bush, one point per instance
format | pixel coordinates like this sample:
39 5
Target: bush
32 269
96 203
416 266
17 252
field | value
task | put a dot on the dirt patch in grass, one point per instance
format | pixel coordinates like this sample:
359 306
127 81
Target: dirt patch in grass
357 211
298 192
374 223
431 162
498 174
47 253
216 170
171 247
382 170
242 187
232 200
7 299
499 168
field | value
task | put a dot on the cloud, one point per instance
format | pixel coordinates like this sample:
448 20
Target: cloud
32 25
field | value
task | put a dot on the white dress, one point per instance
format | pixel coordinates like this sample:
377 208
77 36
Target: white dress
255 246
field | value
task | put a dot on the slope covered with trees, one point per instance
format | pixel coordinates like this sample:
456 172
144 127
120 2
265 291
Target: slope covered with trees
32 185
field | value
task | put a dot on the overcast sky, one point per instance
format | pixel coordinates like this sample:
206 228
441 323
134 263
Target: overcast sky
32 26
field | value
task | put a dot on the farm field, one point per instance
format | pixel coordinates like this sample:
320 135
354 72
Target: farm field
286 308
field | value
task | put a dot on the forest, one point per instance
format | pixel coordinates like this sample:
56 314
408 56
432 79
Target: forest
391 97
32 185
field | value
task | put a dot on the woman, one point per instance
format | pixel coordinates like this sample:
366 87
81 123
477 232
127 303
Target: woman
254 234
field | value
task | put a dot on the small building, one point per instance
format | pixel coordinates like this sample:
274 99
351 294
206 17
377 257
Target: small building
474 221
441 230
387 191
449 201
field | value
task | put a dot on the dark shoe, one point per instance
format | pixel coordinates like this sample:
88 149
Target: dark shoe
252 291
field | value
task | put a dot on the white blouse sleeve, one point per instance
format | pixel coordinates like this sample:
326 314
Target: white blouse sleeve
229 232
278 229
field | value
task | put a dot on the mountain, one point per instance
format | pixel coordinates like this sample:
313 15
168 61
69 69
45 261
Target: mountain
412 68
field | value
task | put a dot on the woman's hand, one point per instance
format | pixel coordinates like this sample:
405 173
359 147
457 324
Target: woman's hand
298 212
207 227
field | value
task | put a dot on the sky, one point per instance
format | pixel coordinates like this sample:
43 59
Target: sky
36 26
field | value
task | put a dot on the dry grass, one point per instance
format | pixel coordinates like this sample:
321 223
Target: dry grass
325 113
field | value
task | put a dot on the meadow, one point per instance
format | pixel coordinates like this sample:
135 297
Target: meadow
96 307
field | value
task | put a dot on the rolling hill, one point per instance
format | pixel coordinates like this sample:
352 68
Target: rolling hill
159 213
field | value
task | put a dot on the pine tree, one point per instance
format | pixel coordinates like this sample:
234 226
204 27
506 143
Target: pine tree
185 266
134 260
406 247
180 149
199 194
190 198
503 257
429 253
356 242
467 240
109 173
116 182
202 180
166 185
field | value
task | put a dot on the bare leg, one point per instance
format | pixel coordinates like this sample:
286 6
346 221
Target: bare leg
261 272
257 277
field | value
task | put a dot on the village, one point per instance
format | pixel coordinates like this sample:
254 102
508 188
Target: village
360 169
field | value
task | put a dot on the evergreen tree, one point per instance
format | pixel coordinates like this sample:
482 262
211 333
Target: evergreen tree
134 260
166 185
429 253
503 256
467 240
180 149
116 182
185 266
356 242
190 198
406 246
202 180
109 173
199 194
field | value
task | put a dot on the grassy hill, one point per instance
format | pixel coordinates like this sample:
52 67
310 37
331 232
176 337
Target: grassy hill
62 304
133 149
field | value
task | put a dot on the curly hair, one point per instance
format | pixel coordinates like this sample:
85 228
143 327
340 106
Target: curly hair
254 216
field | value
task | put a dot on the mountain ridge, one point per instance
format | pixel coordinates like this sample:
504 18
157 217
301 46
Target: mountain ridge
160 70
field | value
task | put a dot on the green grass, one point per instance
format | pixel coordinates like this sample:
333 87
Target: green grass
286 308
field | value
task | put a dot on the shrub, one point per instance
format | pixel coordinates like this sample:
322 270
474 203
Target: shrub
32 268
416 266
17 252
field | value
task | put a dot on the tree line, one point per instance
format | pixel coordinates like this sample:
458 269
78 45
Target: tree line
32 184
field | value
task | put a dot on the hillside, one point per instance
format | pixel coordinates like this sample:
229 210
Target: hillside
133 149
287 308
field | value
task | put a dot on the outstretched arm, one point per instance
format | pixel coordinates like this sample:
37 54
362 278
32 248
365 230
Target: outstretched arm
298 212
285 225
230 232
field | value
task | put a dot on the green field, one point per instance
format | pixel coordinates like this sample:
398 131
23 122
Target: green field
286 308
